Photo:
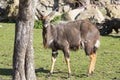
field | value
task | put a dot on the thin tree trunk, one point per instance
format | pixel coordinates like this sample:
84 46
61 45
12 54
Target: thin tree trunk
23 57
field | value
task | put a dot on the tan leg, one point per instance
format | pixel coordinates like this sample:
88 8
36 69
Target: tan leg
53 64
92 63
68 66
54 55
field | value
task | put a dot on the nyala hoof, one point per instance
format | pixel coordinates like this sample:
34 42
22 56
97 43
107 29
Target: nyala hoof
69 75
49 75
89 74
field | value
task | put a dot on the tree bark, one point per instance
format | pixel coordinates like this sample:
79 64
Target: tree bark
23 57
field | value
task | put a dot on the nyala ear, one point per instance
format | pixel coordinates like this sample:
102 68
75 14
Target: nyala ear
51 15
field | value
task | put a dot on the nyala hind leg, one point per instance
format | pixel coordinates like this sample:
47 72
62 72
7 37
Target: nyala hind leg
92 63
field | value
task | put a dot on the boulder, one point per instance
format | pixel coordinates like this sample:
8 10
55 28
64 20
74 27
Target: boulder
92 12
72 15
113 11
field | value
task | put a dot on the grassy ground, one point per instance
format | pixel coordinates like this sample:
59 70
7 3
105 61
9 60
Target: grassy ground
107 65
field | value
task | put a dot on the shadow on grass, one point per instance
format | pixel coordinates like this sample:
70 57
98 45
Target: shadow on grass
65 76
80 76
6 72
42 70
114 36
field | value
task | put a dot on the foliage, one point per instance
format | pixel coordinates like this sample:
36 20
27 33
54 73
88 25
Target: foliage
38 24
56 19
107 65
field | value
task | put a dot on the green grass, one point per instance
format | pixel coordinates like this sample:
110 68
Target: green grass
107 65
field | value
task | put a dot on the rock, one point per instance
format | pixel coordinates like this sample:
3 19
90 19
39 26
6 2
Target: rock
113 10
92 12
66 8
73 14
3 4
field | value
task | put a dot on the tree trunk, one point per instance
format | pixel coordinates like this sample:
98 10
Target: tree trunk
23 57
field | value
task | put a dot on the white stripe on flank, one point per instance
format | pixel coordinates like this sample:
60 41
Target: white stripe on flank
82 43
50 41
97 44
